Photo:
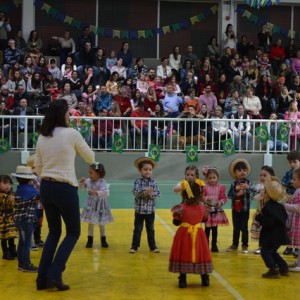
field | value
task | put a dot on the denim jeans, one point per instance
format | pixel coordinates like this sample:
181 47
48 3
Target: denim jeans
272 258
25 229
61 202
240 223
138 228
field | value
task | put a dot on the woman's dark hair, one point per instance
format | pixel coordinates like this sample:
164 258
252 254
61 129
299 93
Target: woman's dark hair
98 168
6 179
112 75
211 39
161 113
270 170
175 55
138 59
227 29
31 34
54 117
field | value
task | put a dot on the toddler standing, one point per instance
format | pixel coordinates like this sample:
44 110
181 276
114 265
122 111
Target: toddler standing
190 251
214 198
96 210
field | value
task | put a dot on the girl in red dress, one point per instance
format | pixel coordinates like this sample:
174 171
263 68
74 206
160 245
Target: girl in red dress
190 252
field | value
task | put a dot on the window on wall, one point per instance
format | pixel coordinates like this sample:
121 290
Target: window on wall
198 35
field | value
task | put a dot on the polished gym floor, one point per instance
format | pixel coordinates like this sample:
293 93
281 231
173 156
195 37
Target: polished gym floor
113 273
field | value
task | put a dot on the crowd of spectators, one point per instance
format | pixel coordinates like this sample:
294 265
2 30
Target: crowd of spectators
264 80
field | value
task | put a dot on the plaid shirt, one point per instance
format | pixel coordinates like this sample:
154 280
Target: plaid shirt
145 204
232 194
25 199
286 181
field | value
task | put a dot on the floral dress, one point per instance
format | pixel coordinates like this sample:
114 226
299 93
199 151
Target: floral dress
7 223
96 209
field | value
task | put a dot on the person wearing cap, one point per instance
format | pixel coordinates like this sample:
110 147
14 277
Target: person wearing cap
146 192
272 218
240 193
25 202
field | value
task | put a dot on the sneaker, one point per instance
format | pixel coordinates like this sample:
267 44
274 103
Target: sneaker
31 268
293 265
295 252
256 251
232 248
296 269
271 274
288 251
155 250
244 249
34 248
132 250
20 268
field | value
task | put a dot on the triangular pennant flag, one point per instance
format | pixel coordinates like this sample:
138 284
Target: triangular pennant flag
124 35
73 124
4 145
175 26
194 20
228 147
283 132
262 133
118 144
100 31
214 9
141 34
34 137
247 14
85 127
148 33
191 154
166 29
116 33
154 152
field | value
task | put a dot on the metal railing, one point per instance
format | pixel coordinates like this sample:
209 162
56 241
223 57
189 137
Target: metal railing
171 134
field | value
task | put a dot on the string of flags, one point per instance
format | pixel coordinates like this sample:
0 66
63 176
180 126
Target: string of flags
261 3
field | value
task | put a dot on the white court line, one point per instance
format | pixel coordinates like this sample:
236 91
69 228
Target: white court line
227 286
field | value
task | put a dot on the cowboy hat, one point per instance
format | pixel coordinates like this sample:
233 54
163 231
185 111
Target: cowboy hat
234 162
274 188
149 160
24 172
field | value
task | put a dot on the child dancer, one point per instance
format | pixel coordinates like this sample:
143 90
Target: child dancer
259 197
8 230
190 251
146 192
294 219
214 198
96 210
273 234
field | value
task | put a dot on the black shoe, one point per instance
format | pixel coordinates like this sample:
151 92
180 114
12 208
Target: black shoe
288 251
271 274
89 243
182 281
205 280
103 242
59 285
214 248
7 255
43 285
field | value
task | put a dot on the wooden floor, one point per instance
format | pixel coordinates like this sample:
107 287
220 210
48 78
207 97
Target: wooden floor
113 273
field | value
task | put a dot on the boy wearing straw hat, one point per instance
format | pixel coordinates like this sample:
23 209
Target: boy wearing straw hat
26 197
273 234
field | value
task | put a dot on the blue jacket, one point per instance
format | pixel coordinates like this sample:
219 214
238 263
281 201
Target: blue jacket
103 102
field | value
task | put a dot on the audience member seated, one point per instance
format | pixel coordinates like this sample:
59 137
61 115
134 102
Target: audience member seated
151 101
238 85
139 68
293 115
229 38
86 36
28 68
11 56
21 45
41 67
54 69
34 46
113 84
191 100
80 111
7 98
290 51
190 129
244 47
48 83
139 128
251 74
151 77
189 55
284 71
295 63
231 104
110 61
241 130
213 49
20 94
120 69
231 71
3 79
190 82
89 78
164 70
68 64
221 90
295 85
142 85
209 99
54 89
263 91
186 67
265 38
127 57
76 84
171 102
4 122
175 62
159 128
103 102
204 83
128 86
90 95
116 112
103 133
69 96
252 104
67 46
34 88
283 102
205 125
14 82
274 143
135 99
225 58
101 65
277 55
207 69
124 103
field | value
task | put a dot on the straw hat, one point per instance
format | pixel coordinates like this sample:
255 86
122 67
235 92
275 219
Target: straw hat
30 160
274 188
24 172
234 162
149 160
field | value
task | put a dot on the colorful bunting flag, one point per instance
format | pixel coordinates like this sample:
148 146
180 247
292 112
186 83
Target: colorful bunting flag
4 145
154 152
34 137
73 124
228 147
191 154
262 133
118 144
85 127
283 132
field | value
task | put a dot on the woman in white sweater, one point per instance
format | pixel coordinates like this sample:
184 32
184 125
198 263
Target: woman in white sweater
252 104
56 150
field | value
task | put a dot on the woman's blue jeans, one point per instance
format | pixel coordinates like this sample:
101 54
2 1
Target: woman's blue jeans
61 202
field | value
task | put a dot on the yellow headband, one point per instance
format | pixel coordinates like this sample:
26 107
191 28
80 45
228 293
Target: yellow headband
185 186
